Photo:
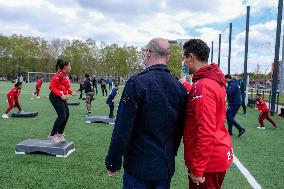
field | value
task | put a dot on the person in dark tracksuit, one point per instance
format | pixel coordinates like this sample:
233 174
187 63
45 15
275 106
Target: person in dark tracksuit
149 123
89 90
81 88
243 93
95 84
60 88
234 99
110 100
103 82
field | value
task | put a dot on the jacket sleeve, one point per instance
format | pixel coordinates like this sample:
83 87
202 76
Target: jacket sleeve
70 91
53 84
123 126
205 126
181 120
231 89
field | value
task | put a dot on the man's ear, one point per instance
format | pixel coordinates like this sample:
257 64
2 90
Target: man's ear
192 57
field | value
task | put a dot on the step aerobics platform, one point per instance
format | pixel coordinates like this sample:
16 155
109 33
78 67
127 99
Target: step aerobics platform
25 114
62 149
101 119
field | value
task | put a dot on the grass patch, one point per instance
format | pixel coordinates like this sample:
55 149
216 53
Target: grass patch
261 151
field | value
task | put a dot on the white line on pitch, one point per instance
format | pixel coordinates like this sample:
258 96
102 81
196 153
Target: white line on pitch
246 174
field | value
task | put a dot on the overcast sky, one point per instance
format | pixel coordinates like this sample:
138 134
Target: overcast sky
135 22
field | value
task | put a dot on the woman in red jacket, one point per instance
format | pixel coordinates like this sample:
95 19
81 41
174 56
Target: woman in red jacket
60 88
13 99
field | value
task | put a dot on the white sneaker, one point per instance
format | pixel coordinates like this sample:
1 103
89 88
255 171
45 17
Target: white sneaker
61 137
38 97
261 127
5 116
53 139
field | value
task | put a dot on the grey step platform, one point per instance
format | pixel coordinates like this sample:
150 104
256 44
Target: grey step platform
98 118
73 103
25 114
62 149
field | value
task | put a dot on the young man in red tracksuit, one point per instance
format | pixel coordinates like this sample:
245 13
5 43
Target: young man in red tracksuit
38 87
60 88
207 143
264 112
13 99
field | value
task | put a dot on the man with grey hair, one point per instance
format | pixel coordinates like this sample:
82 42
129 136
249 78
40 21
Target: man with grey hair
149 123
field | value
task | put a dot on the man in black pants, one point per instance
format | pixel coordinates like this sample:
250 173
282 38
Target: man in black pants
95 84
103 85
234 102
88 87
243 93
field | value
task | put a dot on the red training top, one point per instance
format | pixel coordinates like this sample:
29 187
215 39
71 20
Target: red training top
39 83
261 105
207 144
60 84
14 93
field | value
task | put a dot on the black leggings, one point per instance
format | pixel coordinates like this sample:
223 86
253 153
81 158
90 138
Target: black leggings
104 90
62 110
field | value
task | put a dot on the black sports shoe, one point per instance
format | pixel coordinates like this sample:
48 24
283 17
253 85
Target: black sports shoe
241 132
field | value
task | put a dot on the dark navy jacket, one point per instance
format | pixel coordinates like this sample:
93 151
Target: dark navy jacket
234 96
111 96
149 125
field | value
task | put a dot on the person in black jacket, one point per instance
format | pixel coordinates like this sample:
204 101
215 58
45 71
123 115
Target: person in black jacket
95 84
88 87
234 99
149 123
103 83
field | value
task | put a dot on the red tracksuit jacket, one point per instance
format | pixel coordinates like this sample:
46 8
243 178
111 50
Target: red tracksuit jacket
38 84
14 94
60 84
261 105
207 144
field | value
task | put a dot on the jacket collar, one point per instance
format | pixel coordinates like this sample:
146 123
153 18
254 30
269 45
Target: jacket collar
157 67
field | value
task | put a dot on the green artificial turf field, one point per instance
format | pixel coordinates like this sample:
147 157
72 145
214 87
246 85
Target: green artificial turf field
261 151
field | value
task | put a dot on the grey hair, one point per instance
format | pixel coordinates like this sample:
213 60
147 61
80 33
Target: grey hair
157 50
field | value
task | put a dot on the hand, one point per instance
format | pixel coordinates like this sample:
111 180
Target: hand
64 97
111 174
195 179
74 93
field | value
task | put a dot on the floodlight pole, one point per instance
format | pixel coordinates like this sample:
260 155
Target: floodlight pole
276 57
230 44
246 49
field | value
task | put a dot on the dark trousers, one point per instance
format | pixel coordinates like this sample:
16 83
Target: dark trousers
244 103
231 114
263 116
129 182
212 181
95 89
110 86
62 110
111 108
104 90
81 94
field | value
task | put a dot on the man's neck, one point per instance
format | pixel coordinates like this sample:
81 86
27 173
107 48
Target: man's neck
155 63
200 65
